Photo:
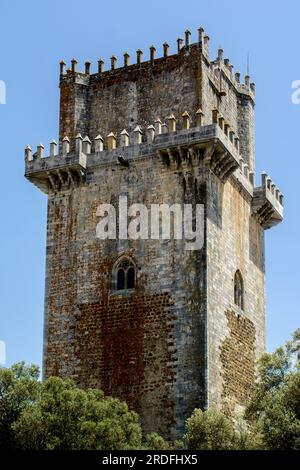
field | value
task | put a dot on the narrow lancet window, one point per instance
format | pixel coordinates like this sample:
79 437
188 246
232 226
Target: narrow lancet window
239 290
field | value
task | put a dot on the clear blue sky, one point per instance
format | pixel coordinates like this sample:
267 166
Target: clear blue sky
35 36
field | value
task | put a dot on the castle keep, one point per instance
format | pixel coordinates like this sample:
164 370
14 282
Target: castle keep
162 327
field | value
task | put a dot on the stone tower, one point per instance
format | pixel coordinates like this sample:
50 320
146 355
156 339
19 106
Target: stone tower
164 328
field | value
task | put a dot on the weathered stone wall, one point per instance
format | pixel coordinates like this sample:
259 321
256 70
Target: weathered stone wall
124 346
146 346
235 241
238 362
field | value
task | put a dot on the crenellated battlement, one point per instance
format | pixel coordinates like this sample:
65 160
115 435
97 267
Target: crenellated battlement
134 94
178 141
245 177
268 202
271 190
224 70
175 141
219 69
137 136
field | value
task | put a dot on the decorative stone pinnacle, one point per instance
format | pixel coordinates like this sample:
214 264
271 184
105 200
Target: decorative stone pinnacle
179 44
111 141
87 67
200 34
98 143
113 61
124 138
220 54
138 135
78 143
40 150
53 146
126 59
221 122
171 123
65 145
74 65
62 65
28 153
86 145
139 54
150 133
215 116
100 65
186 120
157 125
166 49
187 37
199 118
152 54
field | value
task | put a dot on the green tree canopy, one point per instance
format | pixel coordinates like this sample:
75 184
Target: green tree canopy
272 417
56 414
19 388
209 430
274 410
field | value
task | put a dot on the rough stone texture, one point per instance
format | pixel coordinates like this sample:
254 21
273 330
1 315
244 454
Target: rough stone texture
177 341
238 362
235 242
85 320
126 343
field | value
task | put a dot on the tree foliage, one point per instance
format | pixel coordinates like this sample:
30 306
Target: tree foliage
209 430
58 415
156 442
272 417
274 410
19 388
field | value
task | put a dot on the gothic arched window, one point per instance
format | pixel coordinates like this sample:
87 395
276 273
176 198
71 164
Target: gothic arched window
239 290
124 274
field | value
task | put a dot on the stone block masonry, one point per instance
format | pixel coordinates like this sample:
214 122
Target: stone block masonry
185 329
